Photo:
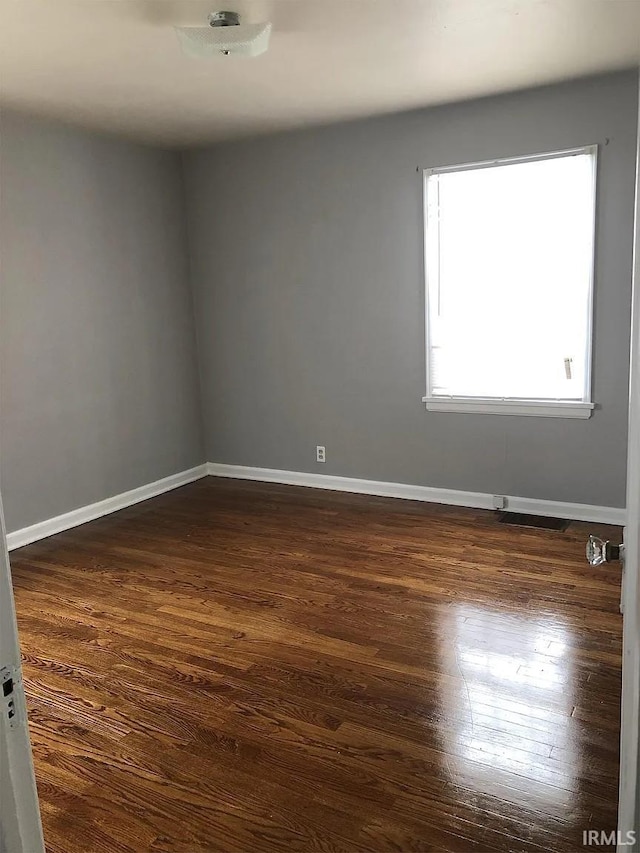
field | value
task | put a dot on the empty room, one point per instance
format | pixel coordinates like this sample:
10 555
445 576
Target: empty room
319 426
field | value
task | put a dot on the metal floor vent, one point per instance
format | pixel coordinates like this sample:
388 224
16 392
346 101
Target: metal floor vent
521 519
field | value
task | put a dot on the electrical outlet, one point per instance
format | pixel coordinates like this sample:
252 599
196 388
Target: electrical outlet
321 455
499 502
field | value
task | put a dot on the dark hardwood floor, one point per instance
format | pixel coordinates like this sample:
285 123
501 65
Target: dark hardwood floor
244 667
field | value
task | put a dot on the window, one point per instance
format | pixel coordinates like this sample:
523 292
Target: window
509 280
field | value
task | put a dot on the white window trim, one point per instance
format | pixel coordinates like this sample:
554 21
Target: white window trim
497 406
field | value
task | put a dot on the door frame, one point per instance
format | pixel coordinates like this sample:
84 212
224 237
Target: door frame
20 824
629 791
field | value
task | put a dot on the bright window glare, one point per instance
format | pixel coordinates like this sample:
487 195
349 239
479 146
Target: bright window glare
509 253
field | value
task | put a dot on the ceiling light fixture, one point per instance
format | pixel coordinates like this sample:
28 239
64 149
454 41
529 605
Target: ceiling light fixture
224 36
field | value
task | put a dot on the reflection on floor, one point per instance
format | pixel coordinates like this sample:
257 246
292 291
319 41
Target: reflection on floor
243 667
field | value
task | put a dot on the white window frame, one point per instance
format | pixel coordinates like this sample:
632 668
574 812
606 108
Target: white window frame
510 405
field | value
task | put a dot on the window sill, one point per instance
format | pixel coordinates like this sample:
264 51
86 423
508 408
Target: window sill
531 408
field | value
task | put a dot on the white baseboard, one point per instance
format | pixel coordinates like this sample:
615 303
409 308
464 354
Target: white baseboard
478 500
87 513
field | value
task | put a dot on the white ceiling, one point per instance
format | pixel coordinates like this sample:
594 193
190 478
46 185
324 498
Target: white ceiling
116 64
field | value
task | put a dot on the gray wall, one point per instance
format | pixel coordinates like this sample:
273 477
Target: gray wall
306 266
99 384
306 256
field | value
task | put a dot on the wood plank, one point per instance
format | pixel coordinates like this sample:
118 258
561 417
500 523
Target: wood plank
248 667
